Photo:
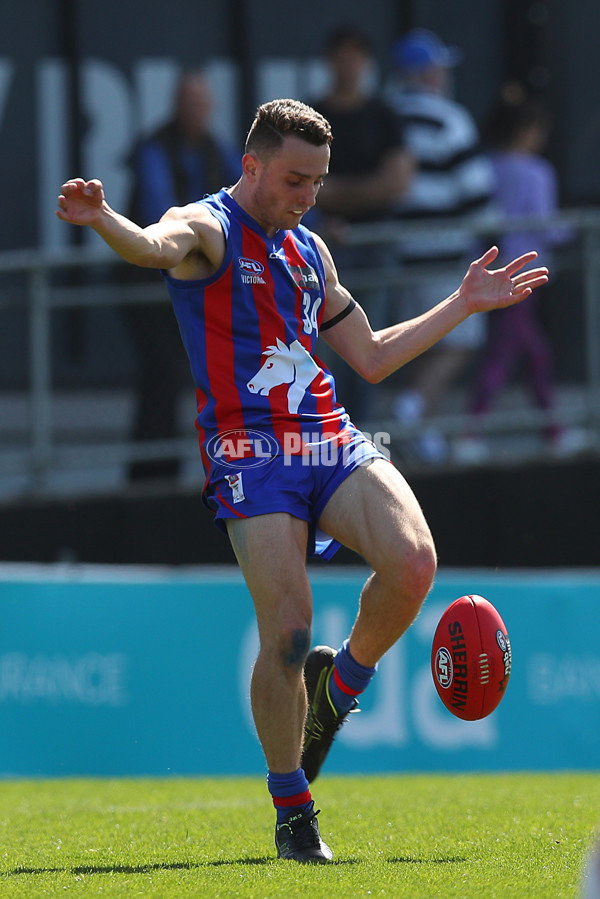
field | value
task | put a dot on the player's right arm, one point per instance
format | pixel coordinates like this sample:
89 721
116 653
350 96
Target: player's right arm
187 240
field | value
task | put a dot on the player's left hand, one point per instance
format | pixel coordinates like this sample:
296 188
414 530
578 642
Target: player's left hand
485 290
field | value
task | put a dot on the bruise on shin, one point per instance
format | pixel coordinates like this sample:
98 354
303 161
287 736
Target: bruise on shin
296 648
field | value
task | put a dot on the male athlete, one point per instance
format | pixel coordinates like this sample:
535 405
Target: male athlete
251 289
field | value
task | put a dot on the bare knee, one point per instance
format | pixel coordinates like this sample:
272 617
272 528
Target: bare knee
422 566
287 644
412 571
294 645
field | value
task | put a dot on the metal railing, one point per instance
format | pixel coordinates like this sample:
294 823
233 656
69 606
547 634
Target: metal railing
581 259
38 453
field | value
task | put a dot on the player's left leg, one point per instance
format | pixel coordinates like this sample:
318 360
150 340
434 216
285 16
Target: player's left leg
375 513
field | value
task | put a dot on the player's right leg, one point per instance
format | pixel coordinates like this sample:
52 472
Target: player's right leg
271 551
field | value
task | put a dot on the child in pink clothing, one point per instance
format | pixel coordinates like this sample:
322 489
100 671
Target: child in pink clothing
525 184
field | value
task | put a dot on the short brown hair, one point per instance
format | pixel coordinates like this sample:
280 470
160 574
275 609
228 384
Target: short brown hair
283 118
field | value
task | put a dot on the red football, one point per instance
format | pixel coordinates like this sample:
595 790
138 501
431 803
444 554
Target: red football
471 658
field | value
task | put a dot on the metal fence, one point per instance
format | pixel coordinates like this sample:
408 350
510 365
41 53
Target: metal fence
37 444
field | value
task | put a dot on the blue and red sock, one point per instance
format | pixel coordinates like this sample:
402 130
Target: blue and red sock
349 679
290 793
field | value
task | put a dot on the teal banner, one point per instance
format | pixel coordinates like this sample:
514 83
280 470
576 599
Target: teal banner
108 672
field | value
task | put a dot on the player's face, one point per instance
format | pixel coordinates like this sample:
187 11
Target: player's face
287 183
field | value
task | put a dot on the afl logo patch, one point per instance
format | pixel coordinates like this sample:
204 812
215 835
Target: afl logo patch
251 266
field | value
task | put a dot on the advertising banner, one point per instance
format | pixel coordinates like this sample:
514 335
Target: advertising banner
147 673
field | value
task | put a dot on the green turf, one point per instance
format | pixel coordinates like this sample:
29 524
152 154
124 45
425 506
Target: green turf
523 835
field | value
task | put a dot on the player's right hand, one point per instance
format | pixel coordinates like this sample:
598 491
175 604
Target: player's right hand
80 202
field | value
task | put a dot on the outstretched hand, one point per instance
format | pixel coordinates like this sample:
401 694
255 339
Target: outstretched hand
80 202
485 290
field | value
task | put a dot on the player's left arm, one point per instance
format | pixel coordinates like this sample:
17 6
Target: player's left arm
376 354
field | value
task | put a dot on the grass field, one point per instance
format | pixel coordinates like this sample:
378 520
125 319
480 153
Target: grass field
513 835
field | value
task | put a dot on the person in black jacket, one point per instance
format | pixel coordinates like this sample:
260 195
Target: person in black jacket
178 163
369 172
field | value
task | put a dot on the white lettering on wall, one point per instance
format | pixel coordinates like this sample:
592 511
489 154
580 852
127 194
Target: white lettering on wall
403 705
53 118
116 112
154 82
109 113
92 679
553 679
386 722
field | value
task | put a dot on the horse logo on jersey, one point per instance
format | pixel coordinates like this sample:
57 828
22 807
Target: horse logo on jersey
285 364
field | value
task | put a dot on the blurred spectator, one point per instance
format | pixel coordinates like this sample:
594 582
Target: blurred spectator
525 185
453 178
369 170
177 164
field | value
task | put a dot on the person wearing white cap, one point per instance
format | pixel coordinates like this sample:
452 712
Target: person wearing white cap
452 179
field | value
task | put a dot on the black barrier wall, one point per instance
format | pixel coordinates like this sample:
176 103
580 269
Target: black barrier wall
532 517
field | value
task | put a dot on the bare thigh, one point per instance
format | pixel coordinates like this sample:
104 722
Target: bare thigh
375 513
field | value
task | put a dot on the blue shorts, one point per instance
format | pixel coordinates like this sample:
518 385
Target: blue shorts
301 485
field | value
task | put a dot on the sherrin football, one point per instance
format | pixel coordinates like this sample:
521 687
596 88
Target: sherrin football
471 658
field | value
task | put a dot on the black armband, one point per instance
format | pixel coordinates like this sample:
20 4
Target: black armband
341 315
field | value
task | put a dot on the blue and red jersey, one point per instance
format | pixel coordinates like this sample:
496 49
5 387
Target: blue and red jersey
250 332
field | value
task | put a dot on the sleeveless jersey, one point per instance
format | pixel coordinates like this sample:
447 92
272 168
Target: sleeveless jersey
250 332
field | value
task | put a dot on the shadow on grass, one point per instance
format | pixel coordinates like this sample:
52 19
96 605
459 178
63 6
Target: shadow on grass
158 866
137 869
411 860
